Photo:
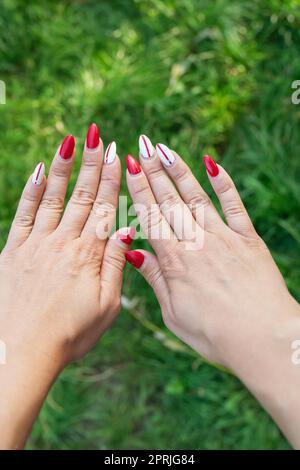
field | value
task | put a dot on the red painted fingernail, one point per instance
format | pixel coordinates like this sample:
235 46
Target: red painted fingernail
136 258
210 165
133 166
67 147
127 236
92 137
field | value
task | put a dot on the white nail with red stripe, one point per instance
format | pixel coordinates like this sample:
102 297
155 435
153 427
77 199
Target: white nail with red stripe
38 174
146 147
165 154
110 153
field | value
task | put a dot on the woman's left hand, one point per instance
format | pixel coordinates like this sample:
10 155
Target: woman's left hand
60 278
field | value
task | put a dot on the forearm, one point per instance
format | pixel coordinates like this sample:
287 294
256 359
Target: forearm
268 371
25 381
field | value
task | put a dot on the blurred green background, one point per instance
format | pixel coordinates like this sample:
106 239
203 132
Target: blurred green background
200 76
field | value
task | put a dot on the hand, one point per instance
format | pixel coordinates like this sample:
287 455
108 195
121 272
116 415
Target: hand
60 279
218 286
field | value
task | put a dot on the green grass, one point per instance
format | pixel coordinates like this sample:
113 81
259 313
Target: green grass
200 76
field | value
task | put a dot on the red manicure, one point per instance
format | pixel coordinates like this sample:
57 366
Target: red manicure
127 237
67 147
92 137
133 166
210 165
136 258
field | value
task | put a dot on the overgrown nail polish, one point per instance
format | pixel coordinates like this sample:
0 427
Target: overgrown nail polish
38 174
133 166
210 165
165 154
136 258
110 153
127 236
67 147
92 137
146 147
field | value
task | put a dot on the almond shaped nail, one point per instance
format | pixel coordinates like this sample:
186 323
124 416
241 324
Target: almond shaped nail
67 147
92 137
110 153
133 165
210 165
136 258
38 174
165 154
146 147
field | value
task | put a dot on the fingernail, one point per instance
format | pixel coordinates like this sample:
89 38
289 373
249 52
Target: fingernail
67 147
132 165
110 153
127 236
165 154
210 165
146 147
38 174
92 137
136 258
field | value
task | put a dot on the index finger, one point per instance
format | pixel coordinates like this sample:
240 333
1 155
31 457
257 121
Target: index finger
153 223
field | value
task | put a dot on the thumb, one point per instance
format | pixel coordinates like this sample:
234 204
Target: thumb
147 264
113 264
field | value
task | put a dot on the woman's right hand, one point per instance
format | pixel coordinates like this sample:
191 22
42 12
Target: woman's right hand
218 286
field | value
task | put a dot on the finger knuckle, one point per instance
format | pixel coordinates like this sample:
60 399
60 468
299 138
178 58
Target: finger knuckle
170 201
52 202
226 187
91 162
110 181
233 209
155 172
154 277
103 208
60 171
181 173
24 220
30 197
142 190
253 240
83 197
150 218
199 200
115 261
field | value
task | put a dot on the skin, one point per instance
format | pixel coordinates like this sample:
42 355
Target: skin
221 292
67 280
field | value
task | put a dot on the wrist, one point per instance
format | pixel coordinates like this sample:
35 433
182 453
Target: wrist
265 365
25 380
